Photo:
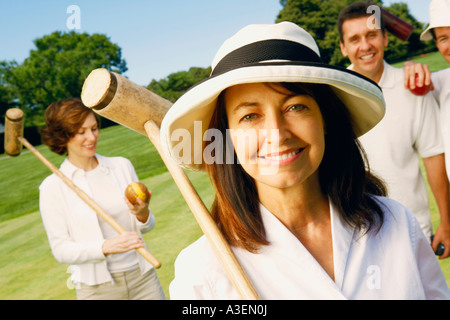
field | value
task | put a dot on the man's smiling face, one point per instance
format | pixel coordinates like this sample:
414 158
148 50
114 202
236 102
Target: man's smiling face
364 46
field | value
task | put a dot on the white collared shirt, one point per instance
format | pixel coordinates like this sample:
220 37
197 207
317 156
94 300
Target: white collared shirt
396 263
73 229
409 130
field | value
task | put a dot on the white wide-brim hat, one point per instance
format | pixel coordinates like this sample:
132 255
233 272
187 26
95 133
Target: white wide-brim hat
439 17
281 52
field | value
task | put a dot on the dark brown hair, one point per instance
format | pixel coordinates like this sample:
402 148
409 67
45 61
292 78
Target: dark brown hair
343 176
354 11
63 119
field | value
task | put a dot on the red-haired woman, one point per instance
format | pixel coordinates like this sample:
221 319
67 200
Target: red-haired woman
104 264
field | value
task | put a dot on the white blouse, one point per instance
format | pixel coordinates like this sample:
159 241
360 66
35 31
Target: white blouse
73 228
396 263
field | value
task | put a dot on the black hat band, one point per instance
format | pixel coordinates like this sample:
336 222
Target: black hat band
265 51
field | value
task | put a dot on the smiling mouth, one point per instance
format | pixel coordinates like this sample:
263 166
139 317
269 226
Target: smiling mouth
368 57
282 157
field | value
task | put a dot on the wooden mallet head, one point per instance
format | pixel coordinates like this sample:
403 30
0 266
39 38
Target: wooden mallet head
14 126
118 99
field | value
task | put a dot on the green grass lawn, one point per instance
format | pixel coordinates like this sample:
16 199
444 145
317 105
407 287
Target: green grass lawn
27 267
434 61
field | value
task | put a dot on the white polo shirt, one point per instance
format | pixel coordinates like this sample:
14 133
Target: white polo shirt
441 82
409 130
396 263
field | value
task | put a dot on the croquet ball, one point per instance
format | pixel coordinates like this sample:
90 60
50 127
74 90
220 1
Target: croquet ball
440 249
420 91
135 190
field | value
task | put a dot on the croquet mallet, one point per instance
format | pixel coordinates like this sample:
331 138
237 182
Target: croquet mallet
14 140
114 97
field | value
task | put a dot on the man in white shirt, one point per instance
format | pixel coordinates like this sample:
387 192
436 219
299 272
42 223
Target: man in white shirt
408 130
439 31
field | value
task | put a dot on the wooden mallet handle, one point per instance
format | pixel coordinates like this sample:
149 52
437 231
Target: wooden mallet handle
91 203
226 256
120 100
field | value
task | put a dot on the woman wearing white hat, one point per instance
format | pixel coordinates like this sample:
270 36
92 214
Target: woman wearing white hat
304 217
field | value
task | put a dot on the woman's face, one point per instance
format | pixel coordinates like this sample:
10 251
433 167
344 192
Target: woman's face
84 143
278 135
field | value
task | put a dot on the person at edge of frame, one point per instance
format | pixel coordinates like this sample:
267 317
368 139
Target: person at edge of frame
439 31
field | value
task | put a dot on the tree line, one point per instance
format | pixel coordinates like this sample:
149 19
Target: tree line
59 64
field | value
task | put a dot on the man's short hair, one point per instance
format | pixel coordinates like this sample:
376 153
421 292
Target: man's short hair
354 11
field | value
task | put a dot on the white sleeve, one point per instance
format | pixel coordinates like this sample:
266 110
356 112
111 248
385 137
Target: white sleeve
64 249
189 283
147 226
131 170
429 140
433 280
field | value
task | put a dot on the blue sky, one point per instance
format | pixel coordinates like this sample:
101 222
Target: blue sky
157 37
